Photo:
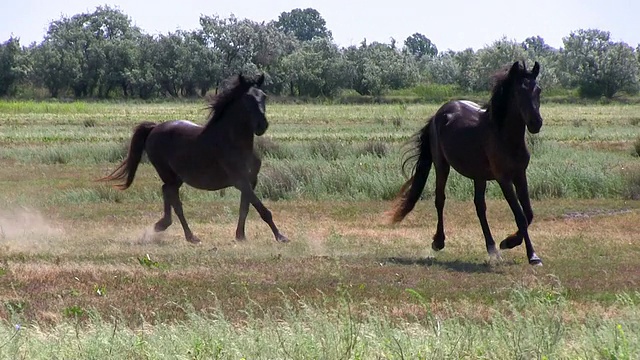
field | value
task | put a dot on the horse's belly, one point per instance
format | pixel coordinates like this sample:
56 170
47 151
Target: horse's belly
472 164
204 180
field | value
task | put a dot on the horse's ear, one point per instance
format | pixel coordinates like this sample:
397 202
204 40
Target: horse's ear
260 80
536 69
515 69
241 79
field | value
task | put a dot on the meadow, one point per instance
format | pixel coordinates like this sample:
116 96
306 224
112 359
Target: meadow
82 275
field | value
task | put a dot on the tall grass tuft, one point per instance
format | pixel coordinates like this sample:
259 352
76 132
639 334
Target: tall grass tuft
328 149
376 148
276 183
79 153
632 184
267 147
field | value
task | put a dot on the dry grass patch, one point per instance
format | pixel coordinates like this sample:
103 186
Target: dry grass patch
336 247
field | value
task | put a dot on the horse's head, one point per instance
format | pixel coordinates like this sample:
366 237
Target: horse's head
254 102
526 94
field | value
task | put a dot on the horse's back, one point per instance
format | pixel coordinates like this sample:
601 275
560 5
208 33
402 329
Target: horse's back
460 113
172 133
168 140
178 150
460 136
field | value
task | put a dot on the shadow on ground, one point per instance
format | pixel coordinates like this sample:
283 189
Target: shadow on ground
453 265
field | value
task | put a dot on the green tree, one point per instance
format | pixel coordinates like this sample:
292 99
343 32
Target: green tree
11 69
304 24
419 45
465 60
378 67
54 68
599 67
537 49
79 48
494 57
142 76
441 69
316 68
233 39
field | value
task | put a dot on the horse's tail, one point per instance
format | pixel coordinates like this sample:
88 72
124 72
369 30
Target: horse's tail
412 189
126 171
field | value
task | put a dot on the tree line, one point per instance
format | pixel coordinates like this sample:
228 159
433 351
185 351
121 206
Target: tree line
101 54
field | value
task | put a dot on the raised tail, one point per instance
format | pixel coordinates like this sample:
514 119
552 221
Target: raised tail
126 171
412 189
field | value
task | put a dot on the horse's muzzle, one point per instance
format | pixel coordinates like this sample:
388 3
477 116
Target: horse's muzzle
534 126
260 130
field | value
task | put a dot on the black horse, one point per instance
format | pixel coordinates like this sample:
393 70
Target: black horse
481 143
217 155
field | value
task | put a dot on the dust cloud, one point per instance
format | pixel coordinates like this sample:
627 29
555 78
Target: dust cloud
24 229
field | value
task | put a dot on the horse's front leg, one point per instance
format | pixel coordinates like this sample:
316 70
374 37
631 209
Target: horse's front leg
248 194
507 188
244 199
522 190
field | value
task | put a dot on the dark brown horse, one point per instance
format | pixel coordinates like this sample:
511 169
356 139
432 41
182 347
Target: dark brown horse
210 157
482 144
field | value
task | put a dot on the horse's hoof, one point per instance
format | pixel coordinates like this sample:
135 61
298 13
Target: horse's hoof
494 256
281 238
193 240
535 261
161 226
437 246
511 241
241 238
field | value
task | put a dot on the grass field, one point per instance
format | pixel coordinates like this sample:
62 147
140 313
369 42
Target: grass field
82 275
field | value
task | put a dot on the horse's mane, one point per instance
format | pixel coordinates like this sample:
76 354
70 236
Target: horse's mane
237 86
499 102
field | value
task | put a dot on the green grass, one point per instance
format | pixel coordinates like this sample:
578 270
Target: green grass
533 323
338 170
82 275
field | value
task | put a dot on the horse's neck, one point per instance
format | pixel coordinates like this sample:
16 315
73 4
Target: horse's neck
232 125
513 128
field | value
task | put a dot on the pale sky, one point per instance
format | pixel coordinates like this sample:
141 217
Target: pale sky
450 24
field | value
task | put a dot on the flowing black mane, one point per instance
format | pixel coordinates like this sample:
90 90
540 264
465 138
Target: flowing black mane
501 91
219 102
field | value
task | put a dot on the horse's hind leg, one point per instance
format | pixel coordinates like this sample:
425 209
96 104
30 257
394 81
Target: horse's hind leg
442 174
165 221
480 186
244 200
173 194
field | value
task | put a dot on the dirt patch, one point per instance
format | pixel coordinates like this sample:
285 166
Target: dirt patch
595 212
